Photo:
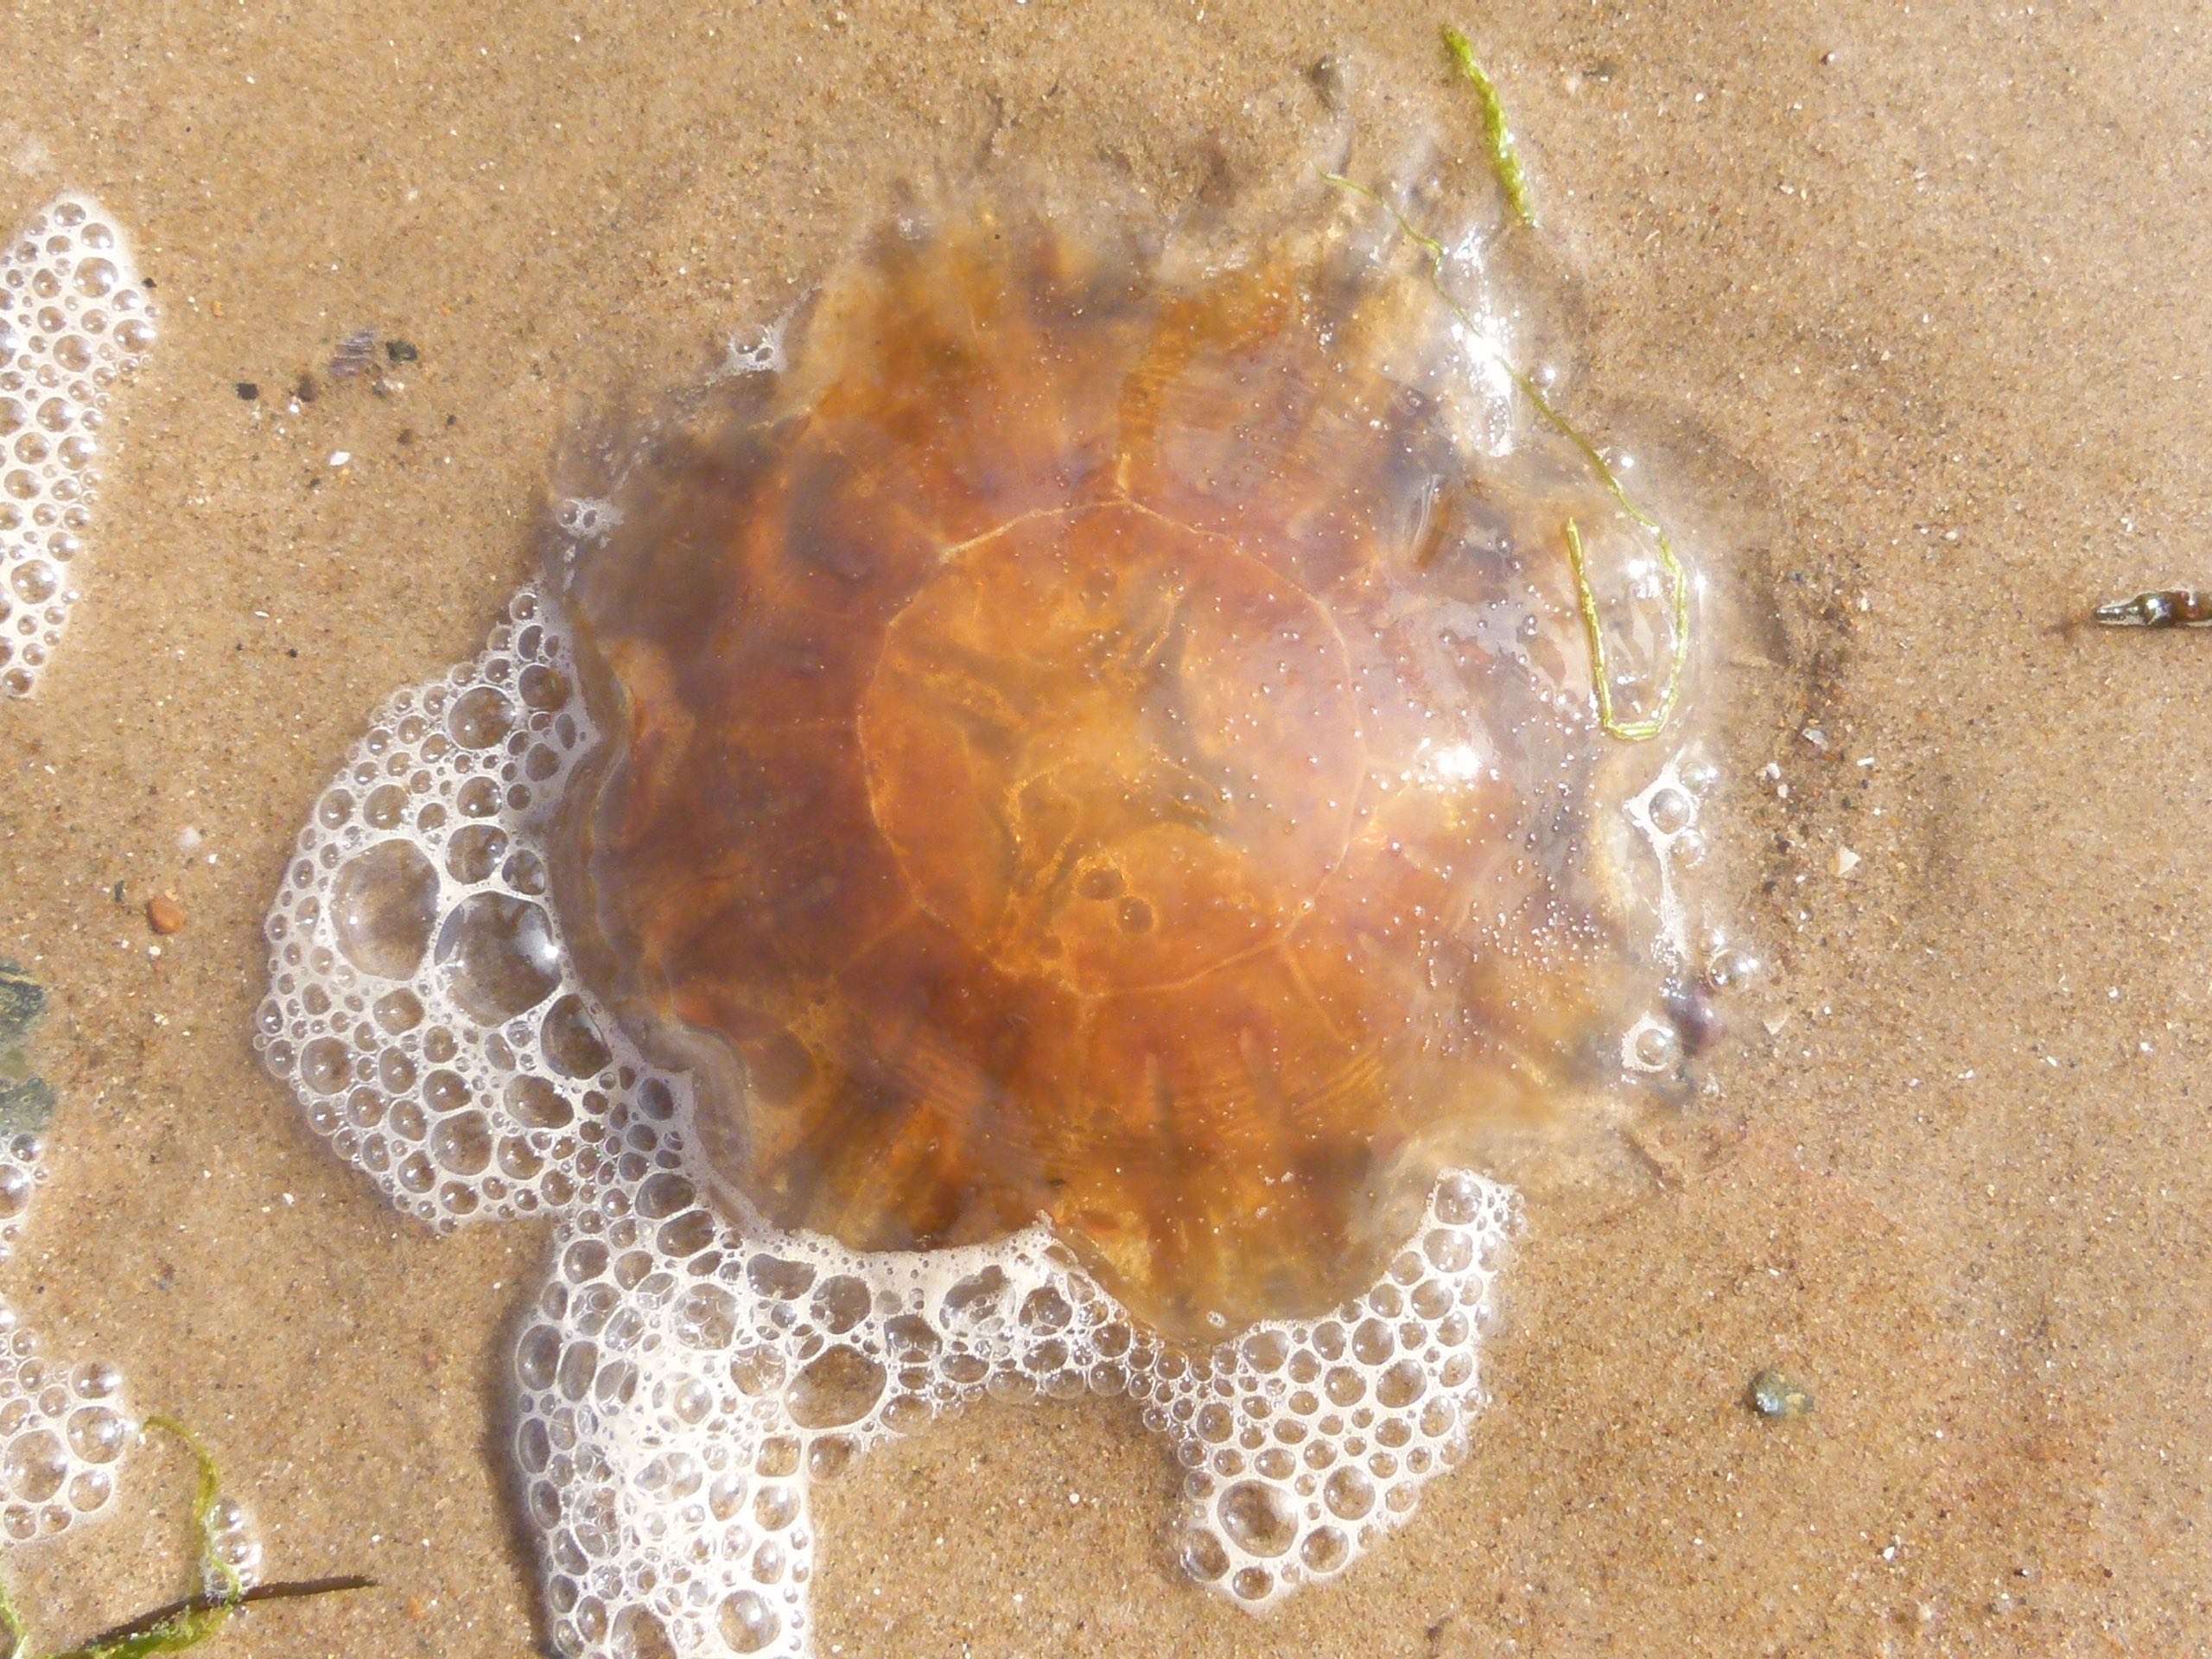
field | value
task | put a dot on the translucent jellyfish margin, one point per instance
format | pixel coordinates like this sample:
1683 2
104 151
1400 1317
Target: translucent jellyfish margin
682 1377
74 320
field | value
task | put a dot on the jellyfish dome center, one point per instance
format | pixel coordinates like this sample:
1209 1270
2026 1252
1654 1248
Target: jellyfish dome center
1112 750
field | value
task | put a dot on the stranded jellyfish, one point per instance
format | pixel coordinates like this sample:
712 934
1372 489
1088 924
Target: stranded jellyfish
1100 741
1032 835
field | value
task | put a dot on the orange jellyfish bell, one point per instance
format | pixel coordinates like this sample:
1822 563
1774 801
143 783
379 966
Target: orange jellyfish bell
1101 736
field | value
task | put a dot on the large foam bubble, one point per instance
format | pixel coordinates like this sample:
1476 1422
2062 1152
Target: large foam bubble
684 1376
72 321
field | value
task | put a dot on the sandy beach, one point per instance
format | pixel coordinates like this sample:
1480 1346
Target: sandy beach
1901 310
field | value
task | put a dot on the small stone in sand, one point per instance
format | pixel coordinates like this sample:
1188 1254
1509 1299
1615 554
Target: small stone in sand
22 1001
353 354
164 915
1773 1395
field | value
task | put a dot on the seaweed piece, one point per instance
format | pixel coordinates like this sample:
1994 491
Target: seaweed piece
110 1644
202 1615
1505 159
191 1621
1636 731
26 1100
26 1105
1678 579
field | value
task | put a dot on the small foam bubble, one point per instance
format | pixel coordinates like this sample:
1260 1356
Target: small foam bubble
760 352
233 1543
1651 1046
1665 813
684 1375
73 320
587 519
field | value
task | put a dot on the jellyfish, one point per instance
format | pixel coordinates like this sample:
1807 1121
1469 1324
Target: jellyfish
1035 836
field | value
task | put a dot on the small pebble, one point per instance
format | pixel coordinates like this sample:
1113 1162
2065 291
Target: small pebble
22 1001
164 915
1773 1395
353 354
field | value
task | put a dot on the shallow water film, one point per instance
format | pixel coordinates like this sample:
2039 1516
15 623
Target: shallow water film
1854 1295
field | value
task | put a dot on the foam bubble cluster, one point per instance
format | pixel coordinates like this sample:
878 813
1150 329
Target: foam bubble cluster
684 1375
420 1002
74 319
682 1380
63 1429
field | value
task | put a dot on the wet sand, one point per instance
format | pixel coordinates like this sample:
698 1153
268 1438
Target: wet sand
1903 311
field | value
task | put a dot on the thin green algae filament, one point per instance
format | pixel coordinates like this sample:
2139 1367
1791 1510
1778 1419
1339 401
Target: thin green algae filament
1638 731
1505 159
1678 580
190 1624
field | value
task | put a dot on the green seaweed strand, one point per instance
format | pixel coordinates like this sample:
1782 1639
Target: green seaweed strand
198 1619
191 1624
1636 731
18 1638
1505 159
1678 579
